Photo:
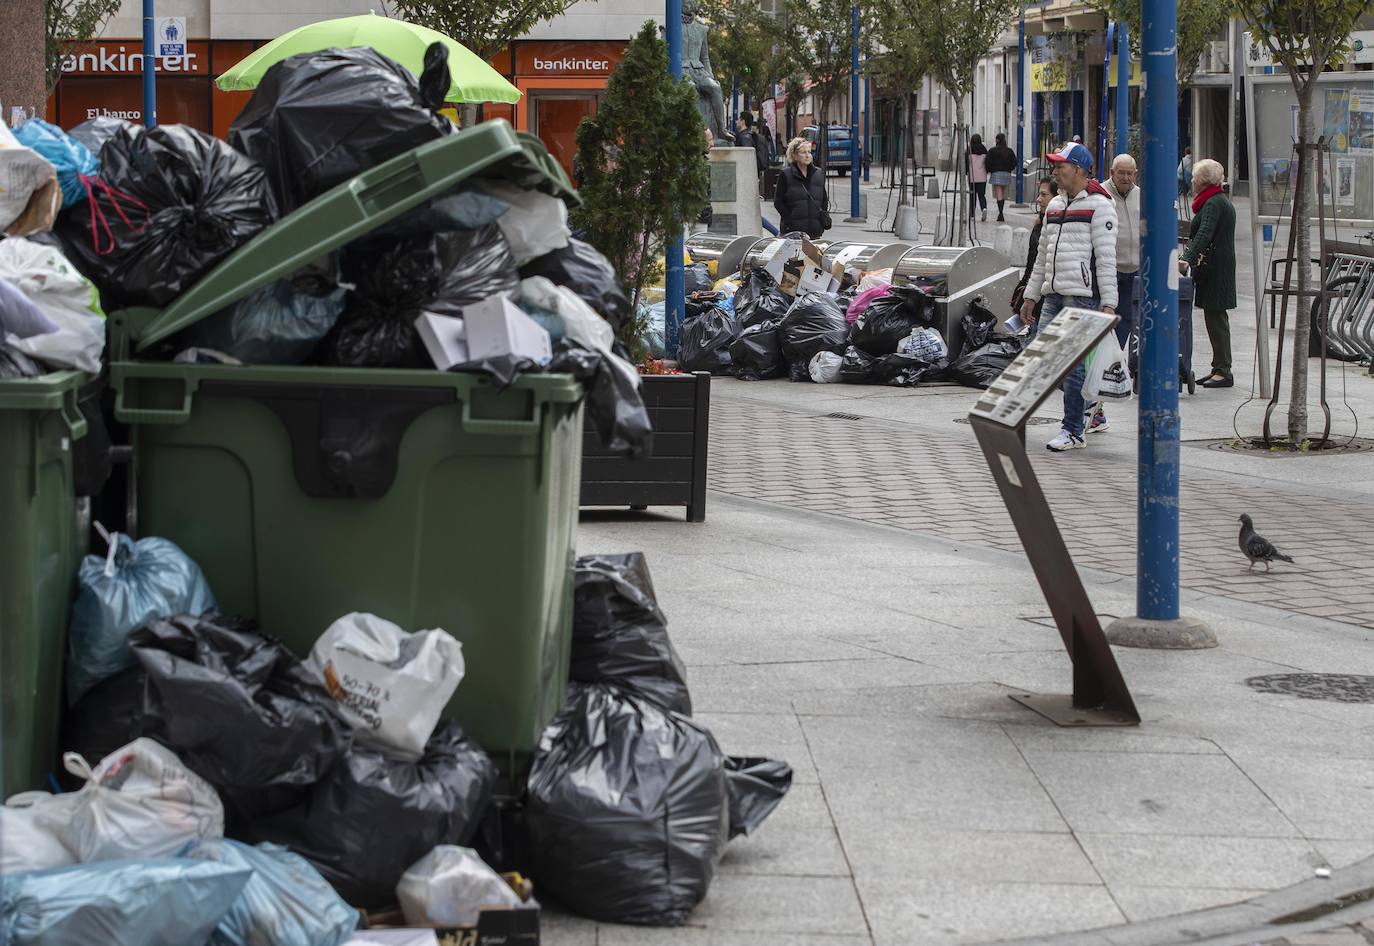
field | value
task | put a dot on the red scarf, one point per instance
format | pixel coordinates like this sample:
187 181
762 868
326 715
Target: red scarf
1205 196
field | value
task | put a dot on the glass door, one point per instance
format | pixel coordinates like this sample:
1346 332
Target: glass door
555 117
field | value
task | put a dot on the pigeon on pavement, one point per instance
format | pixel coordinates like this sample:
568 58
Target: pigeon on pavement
1256 547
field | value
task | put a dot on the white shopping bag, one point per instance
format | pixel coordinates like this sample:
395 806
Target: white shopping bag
29 194
391 686
1107 372
450 886
49 280
31 832
140 801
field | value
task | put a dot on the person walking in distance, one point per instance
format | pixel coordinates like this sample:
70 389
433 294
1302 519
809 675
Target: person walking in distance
1120 185
1001 164
976 162
1211 255
801 199
747 137
1075 265
1044 194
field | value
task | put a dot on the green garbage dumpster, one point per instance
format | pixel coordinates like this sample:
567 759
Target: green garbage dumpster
431 499
40 550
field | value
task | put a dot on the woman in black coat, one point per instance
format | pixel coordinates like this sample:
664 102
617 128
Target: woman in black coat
801 199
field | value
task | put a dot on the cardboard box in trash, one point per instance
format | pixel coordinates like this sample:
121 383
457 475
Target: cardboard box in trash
497 326
799 268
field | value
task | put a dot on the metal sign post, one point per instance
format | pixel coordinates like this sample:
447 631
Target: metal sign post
1100 696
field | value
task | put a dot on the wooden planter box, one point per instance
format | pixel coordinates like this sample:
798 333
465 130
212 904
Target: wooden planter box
680 410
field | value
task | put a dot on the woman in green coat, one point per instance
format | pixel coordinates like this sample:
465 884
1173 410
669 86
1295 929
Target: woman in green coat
1211 255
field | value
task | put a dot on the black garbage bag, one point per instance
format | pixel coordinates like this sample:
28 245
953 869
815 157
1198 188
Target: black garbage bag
696 278
978 326
890 318
16 364
799 371
170 202
396 279
756 786
814 324
907 370
279 324
614 399
318 119
628 811
370 817
107 717
581 267
757 353
620 635
857 366
94 132
759 299
92 462
238 708
981 366
704 341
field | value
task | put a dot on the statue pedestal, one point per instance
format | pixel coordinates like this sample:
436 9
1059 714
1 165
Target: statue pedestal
734 191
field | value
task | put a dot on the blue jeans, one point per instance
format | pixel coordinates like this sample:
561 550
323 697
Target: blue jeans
1074 421
1125 307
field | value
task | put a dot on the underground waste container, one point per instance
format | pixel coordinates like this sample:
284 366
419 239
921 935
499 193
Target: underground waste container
39 556
429 498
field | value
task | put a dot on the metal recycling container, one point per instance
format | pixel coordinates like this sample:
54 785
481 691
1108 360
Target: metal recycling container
39 556
721 254
432 499
866 257
966 272
762 251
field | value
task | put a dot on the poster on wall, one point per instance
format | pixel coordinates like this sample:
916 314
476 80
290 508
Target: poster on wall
1275 180
1336 123
1345 182
1361 123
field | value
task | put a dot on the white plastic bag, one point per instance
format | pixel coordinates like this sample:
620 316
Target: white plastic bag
391 686
449 886
581 323
30 832
825 367
535 224
1107 372
140 801
62 294
874 279
29 193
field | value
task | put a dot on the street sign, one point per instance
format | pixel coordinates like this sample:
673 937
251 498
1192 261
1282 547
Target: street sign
1100 696
169 33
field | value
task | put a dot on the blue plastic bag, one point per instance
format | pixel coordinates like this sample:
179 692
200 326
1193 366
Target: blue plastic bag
286 903
63 152
135 583
280 324
164 901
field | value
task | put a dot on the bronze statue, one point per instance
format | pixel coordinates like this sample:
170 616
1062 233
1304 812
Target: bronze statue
696 65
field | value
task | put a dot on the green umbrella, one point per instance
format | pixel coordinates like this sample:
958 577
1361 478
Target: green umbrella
473 79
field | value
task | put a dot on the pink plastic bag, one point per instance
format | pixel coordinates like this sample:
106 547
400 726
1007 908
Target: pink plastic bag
862 301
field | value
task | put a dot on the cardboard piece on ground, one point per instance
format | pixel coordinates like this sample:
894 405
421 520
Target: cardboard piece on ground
445 338
497 326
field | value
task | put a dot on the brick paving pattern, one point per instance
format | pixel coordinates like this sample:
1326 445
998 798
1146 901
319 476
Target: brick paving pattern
937 483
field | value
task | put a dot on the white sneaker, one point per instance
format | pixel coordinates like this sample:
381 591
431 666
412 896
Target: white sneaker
1065 441
1097 422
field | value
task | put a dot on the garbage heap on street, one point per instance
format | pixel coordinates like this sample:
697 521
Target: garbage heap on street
309 658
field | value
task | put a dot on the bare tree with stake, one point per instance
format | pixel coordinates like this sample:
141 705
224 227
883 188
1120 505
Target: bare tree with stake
956 34
1307 38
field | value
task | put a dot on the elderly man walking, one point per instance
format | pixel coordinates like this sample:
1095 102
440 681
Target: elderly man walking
1076 265
1121 187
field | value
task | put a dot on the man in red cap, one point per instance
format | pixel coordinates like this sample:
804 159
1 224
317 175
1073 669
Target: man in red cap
1075 266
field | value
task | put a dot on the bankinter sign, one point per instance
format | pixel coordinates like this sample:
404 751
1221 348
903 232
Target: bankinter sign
568 64
127 59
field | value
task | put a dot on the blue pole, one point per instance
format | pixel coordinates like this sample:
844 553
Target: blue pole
1021 111
1123 90
734 102
855 160
674 285
868 119
149 67
1157 510
1102 112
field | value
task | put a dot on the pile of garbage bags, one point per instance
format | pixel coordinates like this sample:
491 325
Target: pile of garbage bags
139 216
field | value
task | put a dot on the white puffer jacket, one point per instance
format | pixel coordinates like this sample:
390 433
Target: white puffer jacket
1077 254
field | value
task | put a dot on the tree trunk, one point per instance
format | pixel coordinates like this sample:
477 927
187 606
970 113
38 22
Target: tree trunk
467 114
21 68
1302 212
904 147
961 195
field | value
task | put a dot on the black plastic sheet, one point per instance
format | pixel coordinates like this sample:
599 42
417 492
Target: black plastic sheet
907 371
857 366
981 366
171 203
756 786
318 119
370 817
581 267
757 353
620 635
628 811
815 323
614 400
978 326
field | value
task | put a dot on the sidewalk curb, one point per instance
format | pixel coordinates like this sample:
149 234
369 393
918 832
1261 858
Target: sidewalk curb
1260 919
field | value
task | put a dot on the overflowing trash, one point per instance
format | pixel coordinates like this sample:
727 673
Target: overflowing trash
30 196
48 310
450 886
71 159
985 353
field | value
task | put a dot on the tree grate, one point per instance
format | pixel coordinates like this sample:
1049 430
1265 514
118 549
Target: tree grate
1332 687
